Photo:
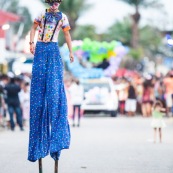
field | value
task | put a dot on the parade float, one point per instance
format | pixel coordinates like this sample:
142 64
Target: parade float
91 56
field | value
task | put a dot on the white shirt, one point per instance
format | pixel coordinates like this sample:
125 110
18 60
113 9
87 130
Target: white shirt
76 93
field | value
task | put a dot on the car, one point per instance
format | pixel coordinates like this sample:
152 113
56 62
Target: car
99 96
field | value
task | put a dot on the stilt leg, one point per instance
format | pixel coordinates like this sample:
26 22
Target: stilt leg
56 166
40 166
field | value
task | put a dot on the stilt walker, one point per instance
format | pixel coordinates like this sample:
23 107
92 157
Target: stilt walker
49 127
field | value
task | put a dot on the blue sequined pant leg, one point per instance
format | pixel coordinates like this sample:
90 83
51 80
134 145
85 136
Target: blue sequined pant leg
49 127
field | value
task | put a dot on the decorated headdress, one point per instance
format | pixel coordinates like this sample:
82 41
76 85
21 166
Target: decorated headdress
52 1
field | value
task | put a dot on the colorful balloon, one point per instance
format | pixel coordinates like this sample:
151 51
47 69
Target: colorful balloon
94 52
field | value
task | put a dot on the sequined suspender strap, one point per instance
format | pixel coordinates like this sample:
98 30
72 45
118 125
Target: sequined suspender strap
54 30
44 27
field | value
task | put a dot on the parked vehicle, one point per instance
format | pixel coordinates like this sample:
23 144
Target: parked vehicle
100 96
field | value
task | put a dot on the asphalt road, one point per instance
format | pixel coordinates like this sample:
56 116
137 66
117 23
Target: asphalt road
100 145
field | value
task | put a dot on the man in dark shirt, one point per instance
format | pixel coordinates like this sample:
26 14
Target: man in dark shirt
104 65
13 103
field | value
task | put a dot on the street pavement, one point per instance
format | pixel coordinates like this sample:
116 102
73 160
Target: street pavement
100 145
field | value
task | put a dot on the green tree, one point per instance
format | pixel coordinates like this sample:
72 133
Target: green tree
150 38
84 31
136 54
137 16
74 9
120 31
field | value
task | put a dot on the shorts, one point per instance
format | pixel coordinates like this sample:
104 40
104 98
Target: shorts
130 105
169 102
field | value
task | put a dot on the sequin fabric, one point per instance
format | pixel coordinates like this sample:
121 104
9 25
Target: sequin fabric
50 25
50 17
49 127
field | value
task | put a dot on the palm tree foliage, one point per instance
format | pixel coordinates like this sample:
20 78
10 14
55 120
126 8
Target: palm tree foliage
73 9
136 17
121 31
149 37
83 31
141 2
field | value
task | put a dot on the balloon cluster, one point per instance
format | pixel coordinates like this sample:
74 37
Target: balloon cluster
96 51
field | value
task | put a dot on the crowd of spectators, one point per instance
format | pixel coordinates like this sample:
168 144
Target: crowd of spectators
137 93
14 101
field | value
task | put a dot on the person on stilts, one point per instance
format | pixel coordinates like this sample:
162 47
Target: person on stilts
49 127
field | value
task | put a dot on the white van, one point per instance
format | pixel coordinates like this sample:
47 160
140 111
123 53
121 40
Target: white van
99 96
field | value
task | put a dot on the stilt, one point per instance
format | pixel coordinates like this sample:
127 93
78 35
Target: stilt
40 166
56 166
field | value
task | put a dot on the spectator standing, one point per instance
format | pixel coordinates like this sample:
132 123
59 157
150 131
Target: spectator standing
157 121
4 80
2 107
13 103
158 90
122 95
24 96
168 83
69 104
77 96
130 105
146 99
139 93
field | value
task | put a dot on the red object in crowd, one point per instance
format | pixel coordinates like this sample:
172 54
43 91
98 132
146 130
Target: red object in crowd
125 73
120 72
6 17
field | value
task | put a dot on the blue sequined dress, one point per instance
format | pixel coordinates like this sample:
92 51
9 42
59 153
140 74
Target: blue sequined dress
49 127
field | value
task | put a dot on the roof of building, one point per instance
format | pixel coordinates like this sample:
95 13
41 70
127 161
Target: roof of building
8 17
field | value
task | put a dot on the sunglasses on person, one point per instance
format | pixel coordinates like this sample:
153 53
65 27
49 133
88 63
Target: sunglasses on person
52 1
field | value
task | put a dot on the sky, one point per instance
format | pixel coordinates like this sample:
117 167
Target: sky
104 13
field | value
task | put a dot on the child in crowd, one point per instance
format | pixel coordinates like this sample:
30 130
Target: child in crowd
157 121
